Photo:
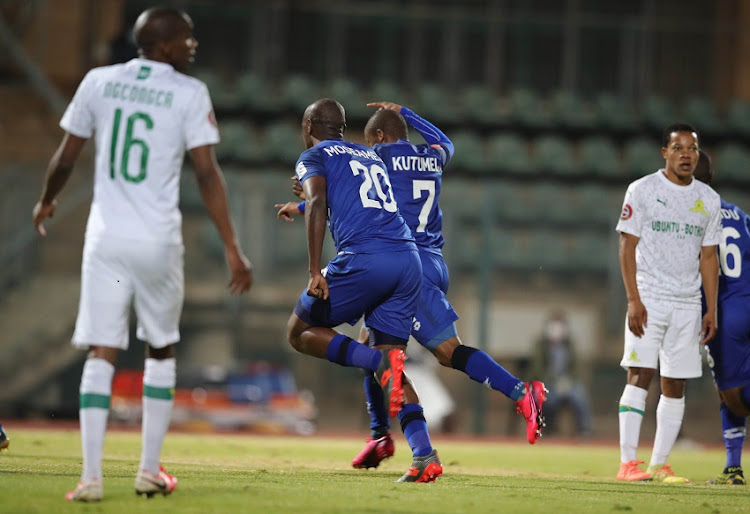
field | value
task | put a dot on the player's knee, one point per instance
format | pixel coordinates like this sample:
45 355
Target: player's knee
733 400
444 351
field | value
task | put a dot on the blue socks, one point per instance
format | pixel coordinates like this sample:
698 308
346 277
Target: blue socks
415 429
483 369
733 433
345 351
380 423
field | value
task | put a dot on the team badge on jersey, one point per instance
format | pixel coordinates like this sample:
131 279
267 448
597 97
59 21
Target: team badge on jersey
212 118
627 212
699 207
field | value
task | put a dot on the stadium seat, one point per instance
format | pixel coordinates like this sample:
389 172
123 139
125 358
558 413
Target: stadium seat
387 91
222 95
514 202
348 94
469 152
612 113
732 163
553 155
658 112
507 249
642 156
235 136
545 251
478 105
297 92
569 111
527 109
598 156
738 117
433 103
592 251
254 93
509 153
555 203
283 142
598 204
701 114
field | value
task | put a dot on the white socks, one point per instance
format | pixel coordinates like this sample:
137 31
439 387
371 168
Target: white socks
159 378
95 393
632 406
669 414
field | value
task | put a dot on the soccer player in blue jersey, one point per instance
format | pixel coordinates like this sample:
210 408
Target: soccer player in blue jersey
377 272
729 351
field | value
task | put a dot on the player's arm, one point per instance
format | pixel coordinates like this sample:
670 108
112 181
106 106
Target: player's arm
709 268
213 192
637 315
58 172
289 209
430 133
316 212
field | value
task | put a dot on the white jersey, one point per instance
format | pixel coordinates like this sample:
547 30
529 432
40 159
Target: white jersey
673 222
145 115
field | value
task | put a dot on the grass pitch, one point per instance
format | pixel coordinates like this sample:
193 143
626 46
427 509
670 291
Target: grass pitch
248 473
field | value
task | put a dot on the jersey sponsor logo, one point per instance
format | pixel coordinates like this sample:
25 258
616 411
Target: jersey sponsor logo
212 118
300 170
143 73
627 212
699 207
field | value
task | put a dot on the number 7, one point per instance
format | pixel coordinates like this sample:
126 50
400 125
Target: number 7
418 187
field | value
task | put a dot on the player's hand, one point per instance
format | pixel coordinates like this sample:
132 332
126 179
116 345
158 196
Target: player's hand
286 210
297 188
637 317
40 213
710 324
241 269
385 105
317 287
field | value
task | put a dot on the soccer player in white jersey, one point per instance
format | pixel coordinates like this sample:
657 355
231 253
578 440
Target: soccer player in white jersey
669 228
144 115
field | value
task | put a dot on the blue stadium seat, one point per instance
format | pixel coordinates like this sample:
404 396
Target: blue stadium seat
599 157
509 153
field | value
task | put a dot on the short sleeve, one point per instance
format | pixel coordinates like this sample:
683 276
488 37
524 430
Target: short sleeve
310 164
78 118
200 126
713 230
630 216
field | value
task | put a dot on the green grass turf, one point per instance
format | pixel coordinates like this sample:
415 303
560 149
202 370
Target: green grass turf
247 473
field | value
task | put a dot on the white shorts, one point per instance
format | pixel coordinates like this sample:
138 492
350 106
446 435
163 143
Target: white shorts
118 273
671 342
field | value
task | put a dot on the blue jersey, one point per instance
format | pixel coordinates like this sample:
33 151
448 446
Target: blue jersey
362 214
416 172
734 279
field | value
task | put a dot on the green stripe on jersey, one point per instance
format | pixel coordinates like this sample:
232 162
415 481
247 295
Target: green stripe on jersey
158 393
625 408
93 400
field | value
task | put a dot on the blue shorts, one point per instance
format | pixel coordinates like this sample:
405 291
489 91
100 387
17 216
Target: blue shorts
729 350
383 287
434 311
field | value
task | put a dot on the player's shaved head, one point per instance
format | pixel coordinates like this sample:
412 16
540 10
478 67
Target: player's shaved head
328 114
158 25
390 122
703 170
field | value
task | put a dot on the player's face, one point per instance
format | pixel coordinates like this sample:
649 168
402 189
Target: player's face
182 47
681 156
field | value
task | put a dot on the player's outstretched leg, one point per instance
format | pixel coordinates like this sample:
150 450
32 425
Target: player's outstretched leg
530 407
390 375
147 484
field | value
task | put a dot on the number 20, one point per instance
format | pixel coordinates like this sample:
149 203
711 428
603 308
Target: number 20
372 177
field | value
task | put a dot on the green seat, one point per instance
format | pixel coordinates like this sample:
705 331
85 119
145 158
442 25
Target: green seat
509 153
569 111
433 103
732 163
254 93
513 202
469 152
527 109
592 251
658 112
553 154
702 114
478 105
387 91
598 204
235 135
612 113
297 92
222 95
554 203
599 157
546 251
507 249
348 94
642 156
738 117
284 142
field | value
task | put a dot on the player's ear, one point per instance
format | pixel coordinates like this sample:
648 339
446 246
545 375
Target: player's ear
664 153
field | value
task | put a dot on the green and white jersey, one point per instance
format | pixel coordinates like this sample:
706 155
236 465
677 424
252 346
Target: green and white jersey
673 222
144 115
